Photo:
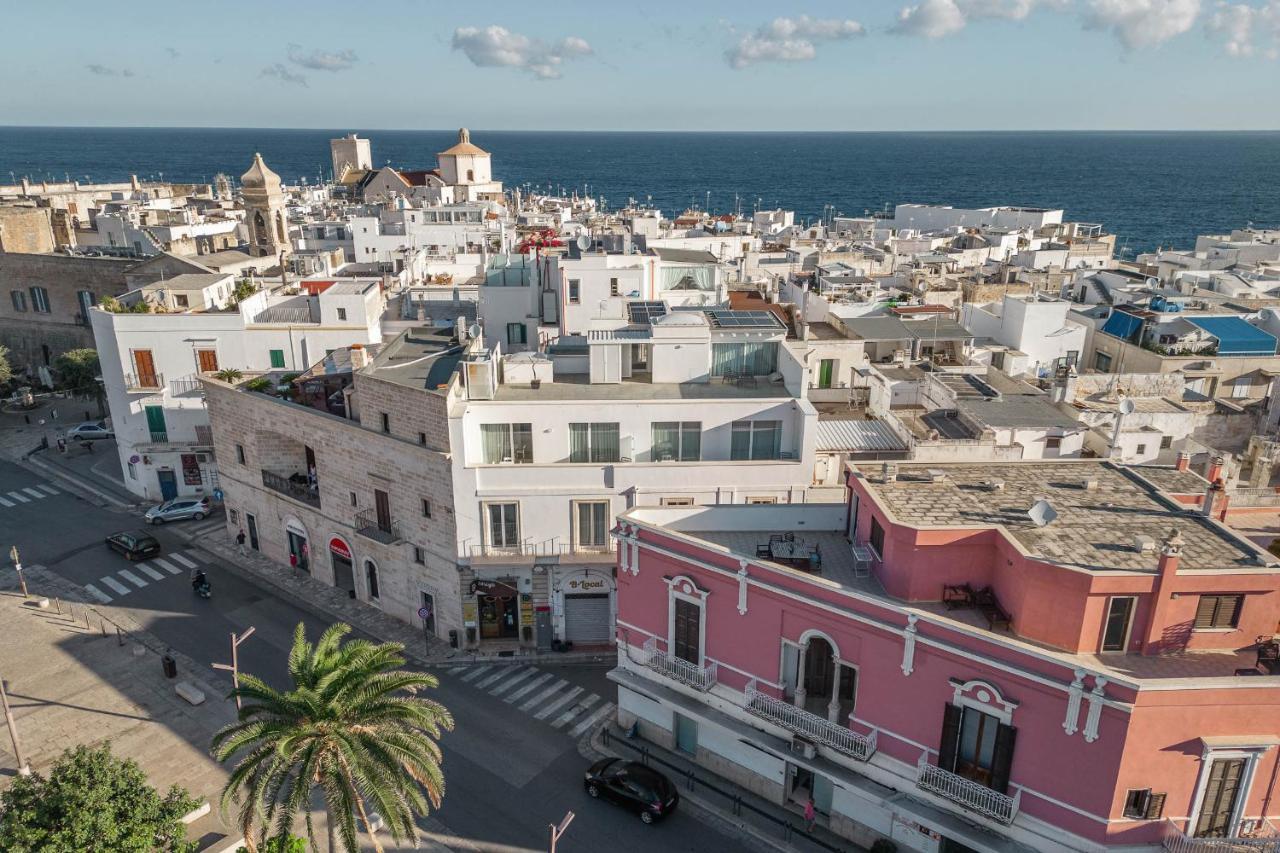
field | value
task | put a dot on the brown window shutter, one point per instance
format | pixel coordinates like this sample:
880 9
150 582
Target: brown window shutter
1002 757
1228 610
949 743
1155 806
1205 611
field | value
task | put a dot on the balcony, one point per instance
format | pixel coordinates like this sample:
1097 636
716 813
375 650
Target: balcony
143 382
291 488
1259 836
810 726
386 531
159 436
204 435
698 677
970 795
187 386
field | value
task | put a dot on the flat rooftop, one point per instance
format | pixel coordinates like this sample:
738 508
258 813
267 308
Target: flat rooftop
421 358
1095 528
577 386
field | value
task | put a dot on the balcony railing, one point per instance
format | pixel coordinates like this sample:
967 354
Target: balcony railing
677 669
385 531
972 795
187 386
817 729
204 434
143 381
300 492
1260 837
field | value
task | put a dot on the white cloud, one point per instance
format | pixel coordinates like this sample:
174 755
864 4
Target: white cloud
1142 23
322 60
1247 30
790 40
498 47
932 19
283 74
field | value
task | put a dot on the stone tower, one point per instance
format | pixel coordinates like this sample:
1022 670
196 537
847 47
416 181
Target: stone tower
264 210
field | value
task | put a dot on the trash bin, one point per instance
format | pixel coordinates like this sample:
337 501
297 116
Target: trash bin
170 666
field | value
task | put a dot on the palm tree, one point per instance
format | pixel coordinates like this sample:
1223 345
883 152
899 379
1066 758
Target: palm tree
353 726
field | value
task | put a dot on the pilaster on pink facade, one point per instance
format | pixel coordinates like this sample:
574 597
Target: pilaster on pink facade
934 665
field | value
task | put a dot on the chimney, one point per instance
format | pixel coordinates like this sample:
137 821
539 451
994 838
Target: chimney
1215 469
359 356
1184 461
1166 571
1211 496
889 472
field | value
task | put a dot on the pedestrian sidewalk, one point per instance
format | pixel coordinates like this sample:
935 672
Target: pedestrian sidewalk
768 825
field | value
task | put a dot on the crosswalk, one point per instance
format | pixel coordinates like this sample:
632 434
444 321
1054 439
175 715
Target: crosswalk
194 529
542 695
140 575
26 495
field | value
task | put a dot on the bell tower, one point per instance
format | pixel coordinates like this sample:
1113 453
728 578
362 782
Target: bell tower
264 210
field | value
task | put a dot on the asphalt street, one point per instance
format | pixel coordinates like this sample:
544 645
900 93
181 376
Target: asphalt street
512 764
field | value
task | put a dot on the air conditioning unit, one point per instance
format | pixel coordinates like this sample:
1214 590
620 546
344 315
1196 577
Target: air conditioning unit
803 748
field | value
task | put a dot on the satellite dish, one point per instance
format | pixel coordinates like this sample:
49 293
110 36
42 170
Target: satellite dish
473 331
1042 513
584 242
1127 406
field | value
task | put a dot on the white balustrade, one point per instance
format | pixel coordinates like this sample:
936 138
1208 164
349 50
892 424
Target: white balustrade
817 729
678 669
972 795
1261 837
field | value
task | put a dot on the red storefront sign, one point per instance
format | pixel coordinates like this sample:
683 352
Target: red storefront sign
337 546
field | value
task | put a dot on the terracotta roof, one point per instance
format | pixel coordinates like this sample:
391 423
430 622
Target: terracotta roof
463 146
418 177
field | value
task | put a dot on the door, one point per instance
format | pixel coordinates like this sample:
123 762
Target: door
429 606
823 791
145 367
586 618
168 484
343 576
156 425
298 548
825 368
1115 634
686 735
207 360
790 671
819 676
1218 808
382 504
687 642
252 524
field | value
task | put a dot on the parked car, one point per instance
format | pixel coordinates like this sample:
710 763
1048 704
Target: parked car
631 785
90 431
134 544
178 509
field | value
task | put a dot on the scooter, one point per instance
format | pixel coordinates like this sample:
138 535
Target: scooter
204 590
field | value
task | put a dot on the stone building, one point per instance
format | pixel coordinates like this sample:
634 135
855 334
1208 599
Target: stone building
26 229
264 200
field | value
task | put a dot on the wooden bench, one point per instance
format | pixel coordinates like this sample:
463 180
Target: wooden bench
989 606
955 596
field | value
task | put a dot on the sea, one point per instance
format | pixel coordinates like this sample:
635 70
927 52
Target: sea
1151 189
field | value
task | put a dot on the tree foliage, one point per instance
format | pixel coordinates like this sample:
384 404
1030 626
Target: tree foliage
6 369
353 726
243 290
92 802
78 368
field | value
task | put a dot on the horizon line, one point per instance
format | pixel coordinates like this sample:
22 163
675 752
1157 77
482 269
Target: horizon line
644 131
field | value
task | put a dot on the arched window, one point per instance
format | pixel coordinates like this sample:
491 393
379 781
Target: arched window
371 576
258 222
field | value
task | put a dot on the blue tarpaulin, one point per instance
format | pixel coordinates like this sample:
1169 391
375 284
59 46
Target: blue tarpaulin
1235 336
1123 326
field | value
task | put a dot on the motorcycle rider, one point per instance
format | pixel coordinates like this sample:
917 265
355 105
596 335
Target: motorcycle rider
199 580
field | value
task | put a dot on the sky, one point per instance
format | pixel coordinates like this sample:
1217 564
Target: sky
705 65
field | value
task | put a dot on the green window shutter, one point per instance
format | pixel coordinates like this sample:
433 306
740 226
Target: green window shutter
277 358
155 419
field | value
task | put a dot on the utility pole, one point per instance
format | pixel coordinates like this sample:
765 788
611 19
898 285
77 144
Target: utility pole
24 769
17 565
557 831
234 668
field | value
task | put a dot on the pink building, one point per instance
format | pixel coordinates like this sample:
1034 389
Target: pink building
942 664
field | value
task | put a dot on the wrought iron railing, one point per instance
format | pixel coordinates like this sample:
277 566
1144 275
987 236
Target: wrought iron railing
159 436
186 386
1258 836
677 669
301 492
384 530
143 381
204 434
972 795
814 728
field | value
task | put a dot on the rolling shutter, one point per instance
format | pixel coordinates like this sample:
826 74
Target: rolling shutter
586 618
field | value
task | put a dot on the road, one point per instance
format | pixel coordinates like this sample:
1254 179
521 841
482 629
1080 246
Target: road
512 764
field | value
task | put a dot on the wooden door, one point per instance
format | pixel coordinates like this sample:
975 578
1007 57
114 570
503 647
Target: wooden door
687 645
1217 810
145 366
207 360
382 504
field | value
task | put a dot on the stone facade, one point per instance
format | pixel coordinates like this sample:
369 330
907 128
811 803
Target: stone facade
26 229
351 462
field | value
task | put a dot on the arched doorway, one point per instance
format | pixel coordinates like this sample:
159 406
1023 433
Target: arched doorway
819 674
371 578
299 551
341 560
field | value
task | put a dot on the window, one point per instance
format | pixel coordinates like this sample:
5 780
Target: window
676 502
977 746
877 537
1053 442
86 300
756 440
40 300
19 300
1218 611
509 443
1241 386
133 471
371 576
575 291
277 358
1115 631
761 500
386 422
426 507
591 524
1166 442
745 359
1102 362
593 442
234 514
613 287
240 453
181 301
419 555
1220 800
517 333
207 361
504 525
422 438
342 313
1141 804
677 441
1141 449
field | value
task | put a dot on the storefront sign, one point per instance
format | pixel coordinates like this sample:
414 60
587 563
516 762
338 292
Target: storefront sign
526 609
470 613
190 469
586 582
340 548
497 589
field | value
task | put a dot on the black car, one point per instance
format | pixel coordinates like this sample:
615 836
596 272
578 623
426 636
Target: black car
642 789
135 545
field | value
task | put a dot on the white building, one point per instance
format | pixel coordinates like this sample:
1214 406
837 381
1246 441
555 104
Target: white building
1030 335
350 153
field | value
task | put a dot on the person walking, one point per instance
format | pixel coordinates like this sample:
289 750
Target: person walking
240 542
810 815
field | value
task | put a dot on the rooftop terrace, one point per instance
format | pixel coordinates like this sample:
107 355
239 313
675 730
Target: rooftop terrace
577 386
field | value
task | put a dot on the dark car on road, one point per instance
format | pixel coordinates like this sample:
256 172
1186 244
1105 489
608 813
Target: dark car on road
634 786
134 544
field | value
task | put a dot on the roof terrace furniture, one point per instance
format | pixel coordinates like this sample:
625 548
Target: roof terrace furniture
956 596
989 606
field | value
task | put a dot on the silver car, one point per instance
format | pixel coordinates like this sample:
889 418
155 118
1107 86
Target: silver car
90 431
178 509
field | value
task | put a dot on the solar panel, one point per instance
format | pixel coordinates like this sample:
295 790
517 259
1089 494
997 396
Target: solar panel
744 319
645 312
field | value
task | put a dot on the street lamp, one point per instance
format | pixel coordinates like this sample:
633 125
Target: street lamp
17 565
24 769
234 668
557 831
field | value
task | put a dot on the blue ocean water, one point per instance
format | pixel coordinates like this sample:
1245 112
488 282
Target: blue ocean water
1150 188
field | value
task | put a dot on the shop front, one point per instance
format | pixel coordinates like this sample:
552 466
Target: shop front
496 604
341 560
586 603
297 546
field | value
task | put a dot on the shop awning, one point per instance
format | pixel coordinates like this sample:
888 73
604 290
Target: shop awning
1235 336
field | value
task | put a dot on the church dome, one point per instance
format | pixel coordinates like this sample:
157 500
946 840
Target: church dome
259 175
464 146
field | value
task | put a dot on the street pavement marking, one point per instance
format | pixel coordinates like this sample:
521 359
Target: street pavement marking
34 493
490 679
18 496
181 559
47 489
97 593
556 705
559 685
5 502
592 719
114 585
580 708
512 682
475 672
167 566
150 572
527 686
132 578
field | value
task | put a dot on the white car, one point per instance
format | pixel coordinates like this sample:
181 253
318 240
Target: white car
90 431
